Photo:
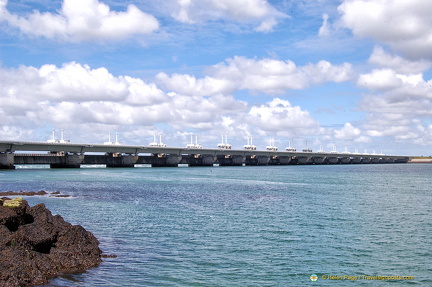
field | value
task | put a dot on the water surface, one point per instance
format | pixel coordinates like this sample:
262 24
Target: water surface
245 226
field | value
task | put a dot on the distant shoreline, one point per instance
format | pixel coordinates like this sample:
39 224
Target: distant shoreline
421 159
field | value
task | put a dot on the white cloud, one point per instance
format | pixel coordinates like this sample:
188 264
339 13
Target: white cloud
190 85
381 58
324 30
399 91
266 25
398 108
259 12
75 92
324 71
389 124
350 133
266 75
82 20
425 137
75 95
404 25
76 83
13 132
380 79
397 103
390 129
279 115
275 76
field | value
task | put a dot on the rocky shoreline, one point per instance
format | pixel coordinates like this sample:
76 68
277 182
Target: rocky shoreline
36 246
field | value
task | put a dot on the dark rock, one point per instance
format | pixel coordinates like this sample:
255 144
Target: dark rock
32 193
22 193
36 246
109 256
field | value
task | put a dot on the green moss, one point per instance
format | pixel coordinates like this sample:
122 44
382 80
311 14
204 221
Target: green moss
16 202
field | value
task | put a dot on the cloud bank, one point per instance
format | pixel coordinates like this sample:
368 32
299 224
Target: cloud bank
260 12
82 21
77 95
406 26
265 75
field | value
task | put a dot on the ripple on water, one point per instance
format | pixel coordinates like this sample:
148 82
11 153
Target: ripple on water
260 226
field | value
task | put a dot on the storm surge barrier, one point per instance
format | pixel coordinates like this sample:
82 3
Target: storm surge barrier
73 155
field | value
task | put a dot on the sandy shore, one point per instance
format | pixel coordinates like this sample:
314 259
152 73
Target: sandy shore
421 160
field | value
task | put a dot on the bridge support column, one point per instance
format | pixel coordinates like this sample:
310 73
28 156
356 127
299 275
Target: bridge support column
333 160
7 161
402 160
286 160
304 160
345 160
201 160
230 160
319 159
282 160
120 160
68 161
257 160
166 160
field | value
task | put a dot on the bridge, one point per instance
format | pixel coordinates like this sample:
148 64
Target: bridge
73 155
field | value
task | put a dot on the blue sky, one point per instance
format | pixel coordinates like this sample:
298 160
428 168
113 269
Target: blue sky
352 73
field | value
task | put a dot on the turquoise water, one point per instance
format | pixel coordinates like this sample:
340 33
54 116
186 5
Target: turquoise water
245 226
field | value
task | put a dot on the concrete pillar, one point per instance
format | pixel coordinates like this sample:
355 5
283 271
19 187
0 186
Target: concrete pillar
257 160
7 161
304 160
251 160
230 160
319 159
282 160
286 160
201 160
120 160
165 160
263 160
345 160
68 161
294 160
401 160
333 160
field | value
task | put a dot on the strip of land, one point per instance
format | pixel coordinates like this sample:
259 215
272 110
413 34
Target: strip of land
421 159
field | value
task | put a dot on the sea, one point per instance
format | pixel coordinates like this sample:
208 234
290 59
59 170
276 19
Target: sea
311 225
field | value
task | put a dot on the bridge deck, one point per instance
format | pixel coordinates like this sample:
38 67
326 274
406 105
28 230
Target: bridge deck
73 155
13 146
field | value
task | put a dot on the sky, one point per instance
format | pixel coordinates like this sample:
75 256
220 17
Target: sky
350 75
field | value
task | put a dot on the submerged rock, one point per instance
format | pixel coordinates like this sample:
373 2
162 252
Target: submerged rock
33 193
22 193
36 246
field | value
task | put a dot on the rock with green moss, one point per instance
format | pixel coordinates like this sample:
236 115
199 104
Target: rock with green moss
36 246
16 202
